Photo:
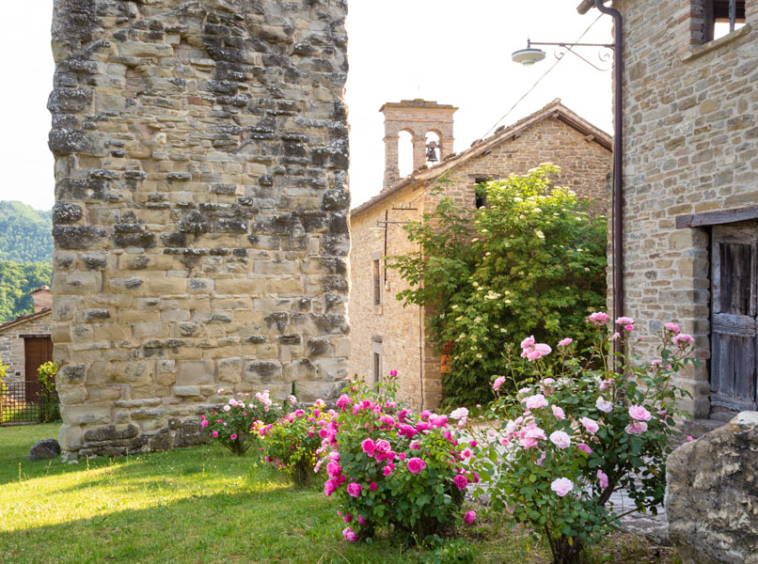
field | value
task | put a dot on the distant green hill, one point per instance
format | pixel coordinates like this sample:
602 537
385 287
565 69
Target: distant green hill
26 256
25 234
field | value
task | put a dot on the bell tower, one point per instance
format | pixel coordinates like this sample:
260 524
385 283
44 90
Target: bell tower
417 117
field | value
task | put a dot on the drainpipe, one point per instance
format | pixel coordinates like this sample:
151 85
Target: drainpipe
618 148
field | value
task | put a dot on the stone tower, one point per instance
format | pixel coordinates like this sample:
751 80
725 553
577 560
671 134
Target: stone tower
417 117
201 154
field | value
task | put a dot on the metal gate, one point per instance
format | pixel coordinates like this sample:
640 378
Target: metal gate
26 402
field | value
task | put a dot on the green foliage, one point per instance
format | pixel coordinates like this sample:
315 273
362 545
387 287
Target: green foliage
450 551
290 444
573 436
50 402
532 262
16 281
25 234
235 425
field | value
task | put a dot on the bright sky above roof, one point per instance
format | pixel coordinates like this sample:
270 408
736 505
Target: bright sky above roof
450 51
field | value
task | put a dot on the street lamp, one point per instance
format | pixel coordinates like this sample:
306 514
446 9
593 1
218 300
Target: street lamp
529 56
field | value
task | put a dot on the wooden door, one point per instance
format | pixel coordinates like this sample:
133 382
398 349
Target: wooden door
37 351
734 343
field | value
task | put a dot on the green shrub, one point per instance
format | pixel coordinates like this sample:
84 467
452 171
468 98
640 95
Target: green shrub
530 263
51 410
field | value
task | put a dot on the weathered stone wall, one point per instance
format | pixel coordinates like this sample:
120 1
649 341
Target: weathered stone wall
201 219
585 168
691 146
12 345
711 499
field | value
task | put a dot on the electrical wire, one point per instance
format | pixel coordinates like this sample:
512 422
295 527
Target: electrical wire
534 86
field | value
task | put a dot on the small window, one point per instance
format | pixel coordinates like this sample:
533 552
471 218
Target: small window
480 193
721 17
377 368
377 273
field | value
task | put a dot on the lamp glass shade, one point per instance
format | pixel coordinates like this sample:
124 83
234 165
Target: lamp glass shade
528 57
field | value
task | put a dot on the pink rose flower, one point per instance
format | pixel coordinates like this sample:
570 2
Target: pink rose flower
354 489
393 372
227 407
560 439
531 436
343 401
350 535
536 401
558 412
386 471
368 447
204 424
636 428
605 384
625 321
689 438
361 520
586 448
598 318
590 424
333 469
602 476
373 486
470 517
214 434
498 382
401 456
541 459
528 342
460 482
682 340
347 518
565 342
330 486
603 405
416 465
233 437
673 327
382 447
562 486
639 413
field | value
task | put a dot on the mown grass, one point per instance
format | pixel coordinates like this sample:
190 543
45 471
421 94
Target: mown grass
198 505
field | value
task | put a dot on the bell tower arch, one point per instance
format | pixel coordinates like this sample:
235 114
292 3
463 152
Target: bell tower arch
419 118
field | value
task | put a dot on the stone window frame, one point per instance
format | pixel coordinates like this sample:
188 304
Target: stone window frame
699 45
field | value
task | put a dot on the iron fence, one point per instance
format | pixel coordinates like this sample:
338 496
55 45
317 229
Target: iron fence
27 402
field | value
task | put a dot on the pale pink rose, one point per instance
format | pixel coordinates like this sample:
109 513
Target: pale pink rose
639 413
565 342
220 391
603 405
531 435
227 408
498 382
292 399
469 517
541 459
589 424
605 384
625 321
558 412
460 413
689 438
598 318
636 428
536 401
616 336
673 327
560 439
528 342
562 486
603 477
682 340
586 448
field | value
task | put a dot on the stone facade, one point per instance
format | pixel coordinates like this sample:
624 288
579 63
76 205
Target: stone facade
397 333
201 154
690 147
711 499
12 342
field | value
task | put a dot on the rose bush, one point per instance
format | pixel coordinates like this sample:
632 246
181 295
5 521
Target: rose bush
575 435
235 425
387 467
290 443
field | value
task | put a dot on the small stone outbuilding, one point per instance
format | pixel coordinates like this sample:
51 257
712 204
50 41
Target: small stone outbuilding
388 336
25 344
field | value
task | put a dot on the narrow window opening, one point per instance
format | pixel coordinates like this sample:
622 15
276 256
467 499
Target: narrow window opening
722 17
377 282
377 368
480 192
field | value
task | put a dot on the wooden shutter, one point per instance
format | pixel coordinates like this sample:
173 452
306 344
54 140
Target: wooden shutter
734 329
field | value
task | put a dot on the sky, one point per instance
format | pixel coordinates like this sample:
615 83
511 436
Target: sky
450 51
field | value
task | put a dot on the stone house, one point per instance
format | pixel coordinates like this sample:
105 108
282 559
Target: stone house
690 187
25 342
201 238
387 336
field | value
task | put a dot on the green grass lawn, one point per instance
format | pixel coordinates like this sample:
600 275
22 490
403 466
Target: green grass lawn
198 505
